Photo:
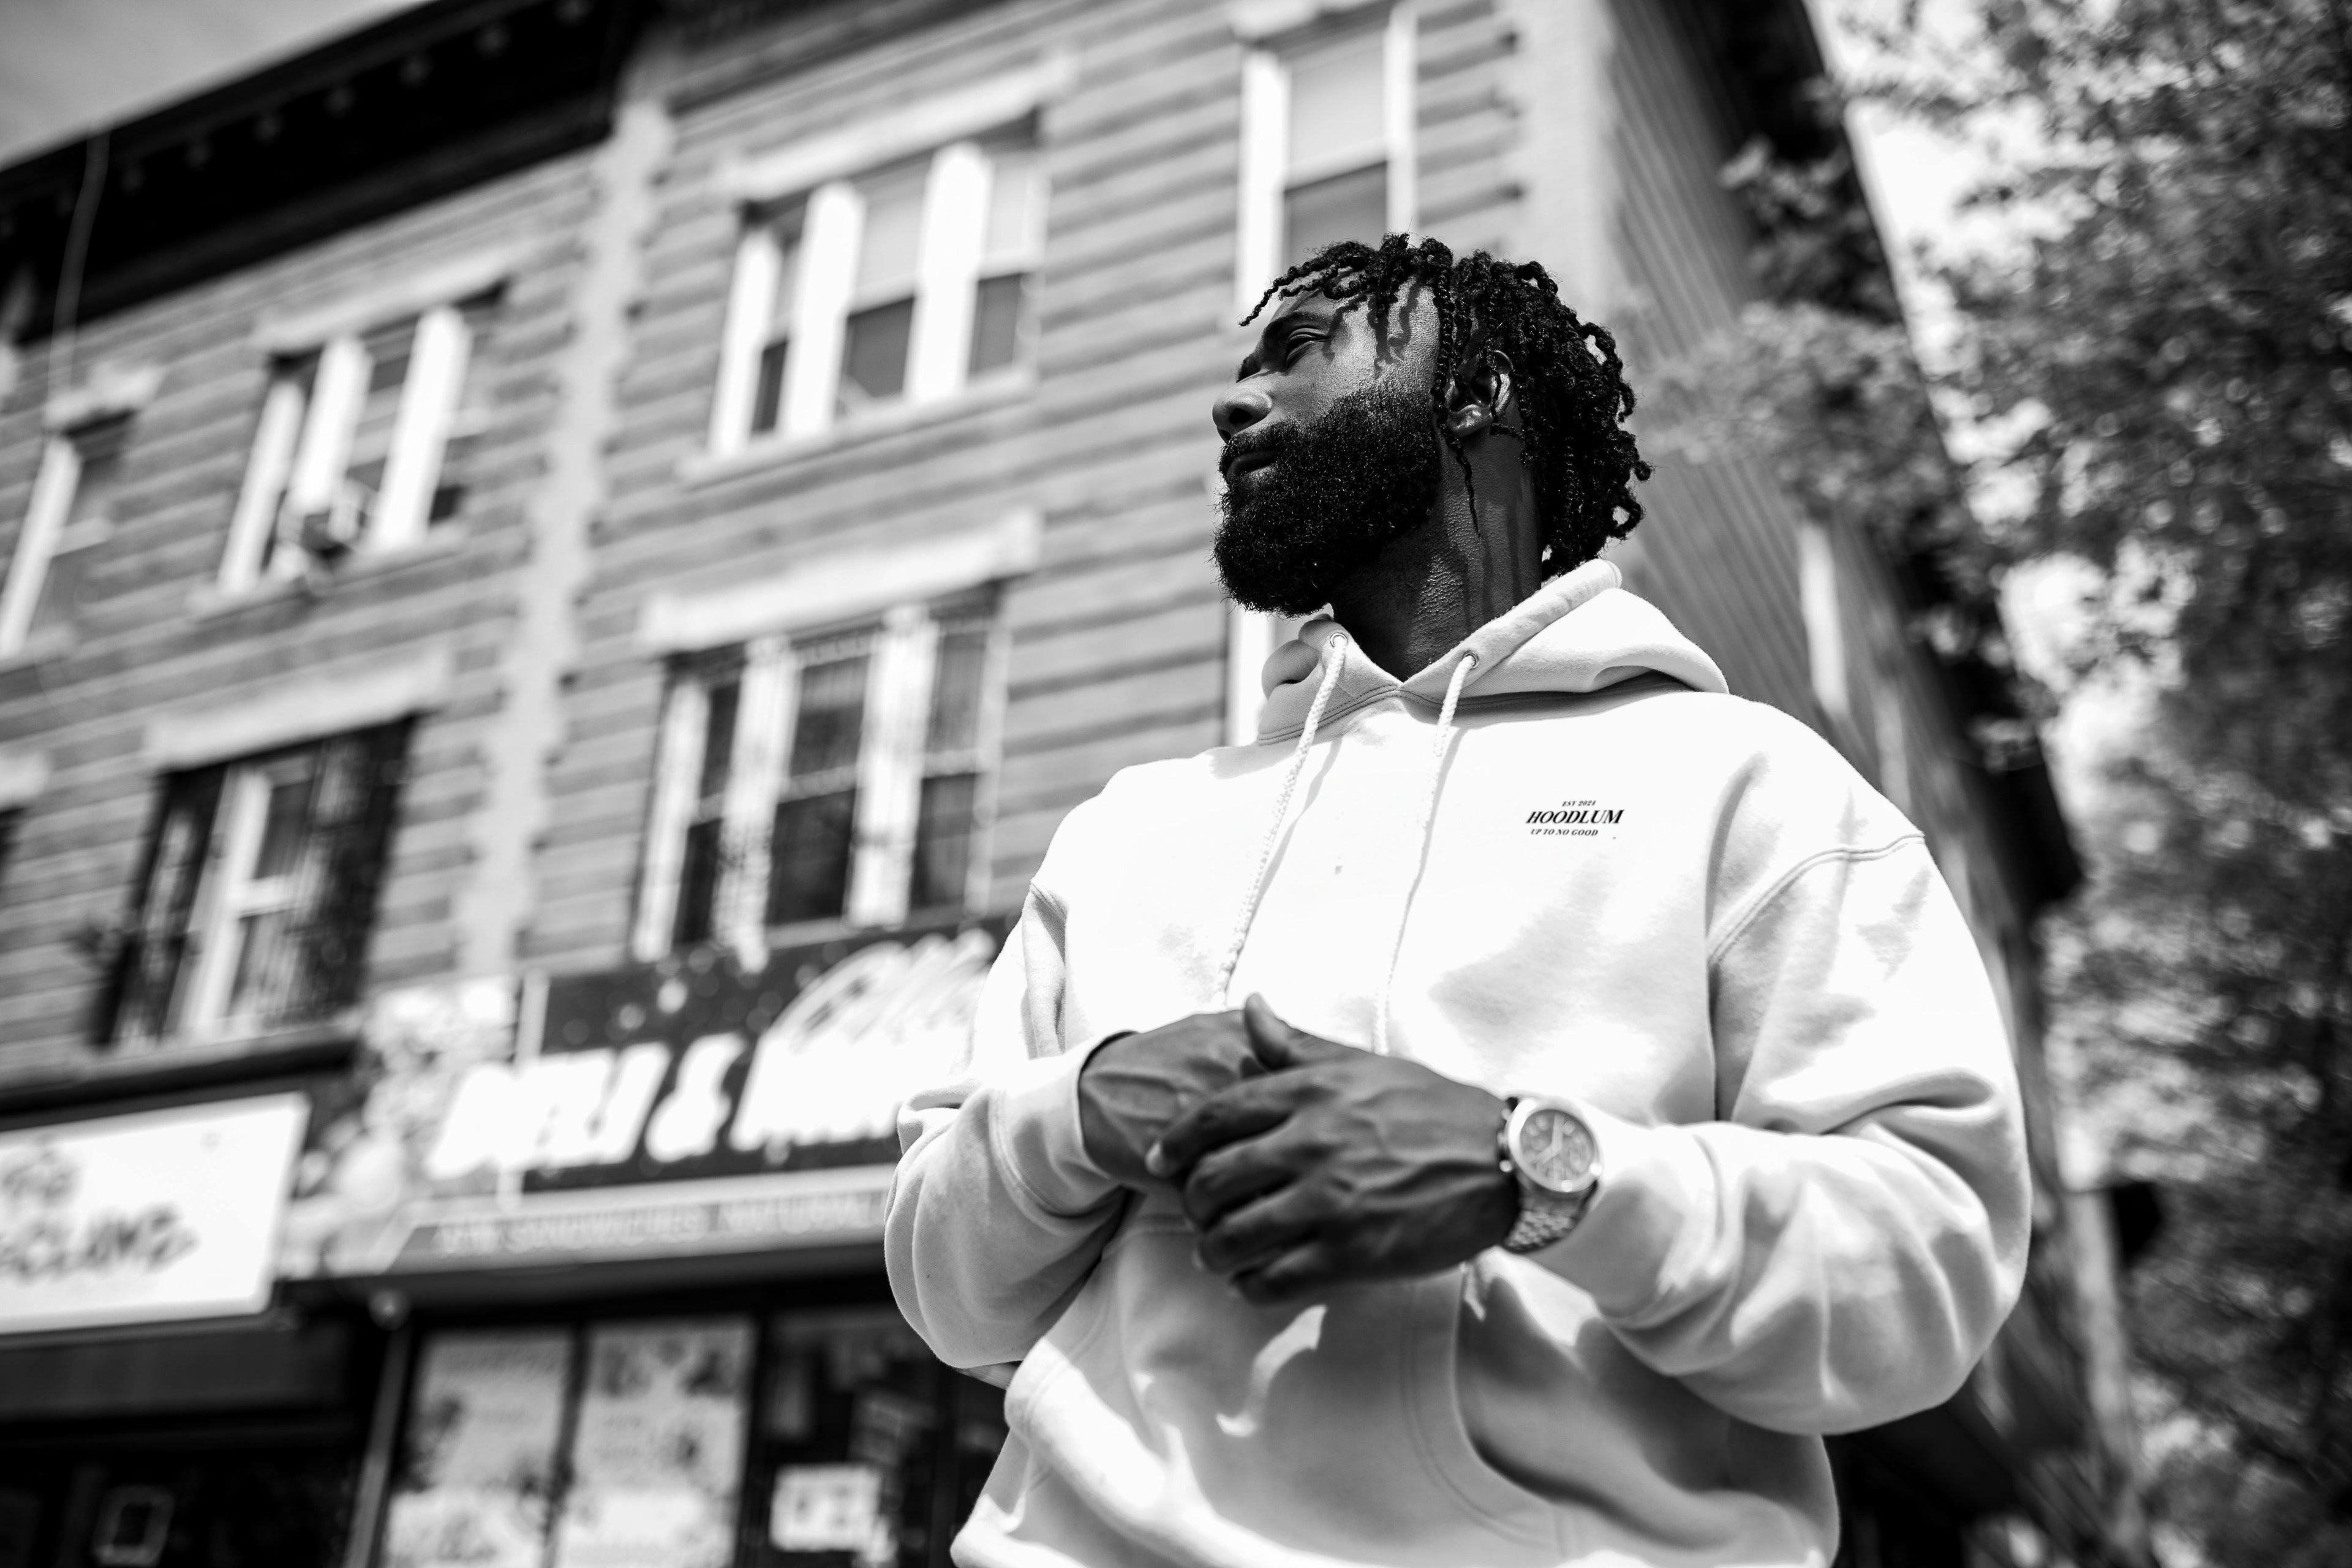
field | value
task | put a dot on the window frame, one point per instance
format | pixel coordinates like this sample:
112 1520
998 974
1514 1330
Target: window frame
1267 180
894 760
206 835
298 462
49 531
828 218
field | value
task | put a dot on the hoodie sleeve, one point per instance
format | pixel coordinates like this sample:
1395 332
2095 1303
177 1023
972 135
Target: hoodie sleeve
1839 1248
996 1216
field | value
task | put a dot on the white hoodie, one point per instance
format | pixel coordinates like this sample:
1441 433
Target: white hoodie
1602 878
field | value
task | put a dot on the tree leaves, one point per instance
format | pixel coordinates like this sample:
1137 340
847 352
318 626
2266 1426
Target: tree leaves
2158 383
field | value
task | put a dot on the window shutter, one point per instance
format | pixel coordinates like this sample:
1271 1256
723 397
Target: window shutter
139 994
352 812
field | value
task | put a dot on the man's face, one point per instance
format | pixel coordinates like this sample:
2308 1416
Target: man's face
1330 450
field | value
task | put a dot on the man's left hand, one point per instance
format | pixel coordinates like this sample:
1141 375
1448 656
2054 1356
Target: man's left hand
1336 1166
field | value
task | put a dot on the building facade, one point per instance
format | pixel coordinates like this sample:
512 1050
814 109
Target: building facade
565 559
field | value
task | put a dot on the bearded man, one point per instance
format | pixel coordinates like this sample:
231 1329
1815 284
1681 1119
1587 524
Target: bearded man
1619 1103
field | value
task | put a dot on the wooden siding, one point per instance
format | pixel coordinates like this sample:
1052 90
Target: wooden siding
1718 549
152 639
1118 638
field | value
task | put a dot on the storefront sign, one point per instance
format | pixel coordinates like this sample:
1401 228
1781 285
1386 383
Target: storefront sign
168 1215
683 1107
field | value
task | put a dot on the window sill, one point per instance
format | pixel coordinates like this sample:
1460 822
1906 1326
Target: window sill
187 1065
211 599
774 451
52 643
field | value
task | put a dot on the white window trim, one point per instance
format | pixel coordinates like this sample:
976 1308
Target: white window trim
677 759
113 392
896 587
357 697
891 771
842 585
410 294
1817 601
301 444
890 767
36 541
920 126
1277 32
764 714
232 892
947 269
23 776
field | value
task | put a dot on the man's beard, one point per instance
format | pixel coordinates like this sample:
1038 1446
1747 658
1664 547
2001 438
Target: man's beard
1337 493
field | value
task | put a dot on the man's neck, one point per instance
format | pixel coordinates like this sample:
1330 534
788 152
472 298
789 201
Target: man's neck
1465 566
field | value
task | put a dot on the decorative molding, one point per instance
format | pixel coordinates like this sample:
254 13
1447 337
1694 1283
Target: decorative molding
843 587
110 392
901 133
23 776
296 710
1271 21
410 294
996 390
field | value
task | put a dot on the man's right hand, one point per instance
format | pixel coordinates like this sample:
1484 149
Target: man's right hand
1131 1088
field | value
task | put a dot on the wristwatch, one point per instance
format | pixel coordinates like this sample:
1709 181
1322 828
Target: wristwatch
1546 1147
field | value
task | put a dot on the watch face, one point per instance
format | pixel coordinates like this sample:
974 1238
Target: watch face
1555 1149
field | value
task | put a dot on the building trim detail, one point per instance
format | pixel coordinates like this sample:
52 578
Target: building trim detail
23 776
298 710
843 587
293 331
902 133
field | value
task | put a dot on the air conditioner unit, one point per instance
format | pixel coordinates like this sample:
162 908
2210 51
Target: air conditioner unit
330 533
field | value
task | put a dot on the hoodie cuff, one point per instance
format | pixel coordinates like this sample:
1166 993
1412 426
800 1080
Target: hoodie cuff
1649 1225
1039 1136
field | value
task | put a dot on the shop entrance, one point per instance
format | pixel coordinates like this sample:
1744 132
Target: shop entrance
823 1435
209 1503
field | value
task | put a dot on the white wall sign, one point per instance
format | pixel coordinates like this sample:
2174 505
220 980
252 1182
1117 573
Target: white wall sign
166 1215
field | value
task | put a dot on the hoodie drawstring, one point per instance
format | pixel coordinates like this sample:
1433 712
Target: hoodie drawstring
1331 661
1421 842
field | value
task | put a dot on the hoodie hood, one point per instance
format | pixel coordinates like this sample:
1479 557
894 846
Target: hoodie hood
1580 632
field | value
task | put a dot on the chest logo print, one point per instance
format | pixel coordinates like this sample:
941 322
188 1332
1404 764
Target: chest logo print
1574 819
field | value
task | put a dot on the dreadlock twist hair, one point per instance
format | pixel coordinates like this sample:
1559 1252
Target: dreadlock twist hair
1570 385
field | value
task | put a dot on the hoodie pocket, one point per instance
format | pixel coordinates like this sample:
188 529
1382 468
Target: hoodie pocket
1489 1495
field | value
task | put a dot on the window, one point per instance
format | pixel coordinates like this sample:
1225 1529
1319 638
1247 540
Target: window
1327 145
254 906
69 517
827 1437
831 779
904 285
365 443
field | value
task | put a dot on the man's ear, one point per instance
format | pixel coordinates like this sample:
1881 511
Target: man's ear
1481 393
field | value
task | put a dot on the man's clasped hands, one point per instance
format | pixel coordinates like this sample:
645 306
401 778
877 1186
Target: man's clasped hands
1301 1163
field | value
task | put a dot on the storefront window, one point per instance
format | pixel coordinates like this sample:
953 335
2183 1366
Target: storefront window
628 1441
219 1502
872 1452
